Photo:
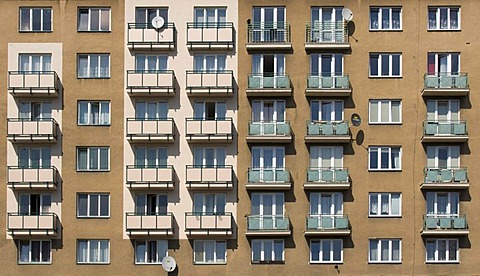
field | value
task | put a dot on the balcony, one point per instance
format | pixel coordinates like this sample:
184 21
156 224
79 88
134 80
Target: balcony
155 83
269 132
209 177
268 179
208 224
268 225
327 36
142 36
210 83
38 225
210 36
327 225
156 225
329 86
269 85
29 178
20 130
269 36
36 83
150 177
201 131
445 225
327 132
453 178
446 84
327 179
445 132
150 130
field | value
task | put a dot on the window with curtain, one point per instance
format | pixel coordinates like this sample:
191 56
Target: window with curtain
209 252
385 204
385 18
93 66
150 63
442 251
385 251
93 158
444 18
34 62
34 158
326 157
443 63
443 110
385 65
38 19
209 204
93 251
385 112
209 63
35 110
93 20
93 205
326 251
151 110
150 251
208 17
151 157
384 158
268 251
443 204
151 204
34 252
93 113
209 157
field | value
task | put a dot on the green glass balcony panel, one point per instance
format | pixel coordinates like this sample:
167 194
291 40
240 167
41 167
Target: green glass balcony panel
459 128
431 82
268 175
340 36
431 223
282 82
431 128
446 175
254 223
460 175
341 223
282 223
254 129
461 81
445 129
254 82
327 129
313 176
327 82
269 128
446 223
312 223
432 176
267 223
313 129
253 176
283 129
341 176
342 82
460 223
282 176
268 82
327 222
446 81
313 82
342 129
327 176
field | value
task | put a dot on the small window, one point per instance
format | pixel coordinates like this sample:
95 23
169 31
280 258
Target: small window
94 19
34 63
385 112
91 66
384 158
209 63
35 19
326 251
210 252
35 110
150 252
209 157
385 18
210 16
385 251
150 63
385 65
93 205
268 251
34 158
34 252
444 18
93 159
385 204
94 113
442 251
93 251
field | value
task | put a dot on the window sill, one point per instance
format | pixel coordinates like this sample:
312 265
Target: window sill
195 263
385 262
267 262
382 123
385 77
109 31
20 31
35 263
384 170
444 30
386 30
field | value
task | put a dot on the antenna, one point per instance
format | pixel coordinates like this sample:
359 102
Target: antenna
169 264
158 22
347 14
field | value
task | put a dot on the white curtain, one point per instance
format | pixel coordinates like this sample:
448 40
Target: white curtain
82 252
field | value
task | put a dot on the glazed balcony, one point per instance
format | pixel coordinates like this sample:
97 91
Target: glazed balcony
210 83
327 179
150 177
446 84
268 179
142 36
208 224
269 36
30 178
155 83
327 132
440 178
201 131
328 36
269 85
210 36
34 83
22 130
209 177
150 130
329 86
445 132
268 225
152 225
327 225
269 132
32 225
445 225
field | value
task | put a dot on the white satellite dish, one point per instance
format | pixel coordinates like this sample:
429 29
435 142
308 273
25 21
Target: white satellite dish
158 22
347 14
169 264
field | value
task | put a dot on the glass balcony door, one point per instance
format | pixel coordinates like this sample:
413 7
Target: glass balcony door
326 111
209 204
267 209
209 157
210 110
35 62
443 64
443 204
151 110
443 110
327 23
34 158
151 204
35 110
326 65
34 204
326 157
443 157
151 63
268 24
151 157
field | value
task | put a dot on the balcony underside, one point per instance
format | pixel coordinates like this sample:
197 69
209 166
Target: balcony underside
208 232
209 185
32 185
275 46
327 232
209 91
269 186
219 138
269 92
150 138
270 139
268 233
157 46
332 46
328 139
326 186
212 46
319 92
32 138
150 185
34 92
34 233
445 232
150 232
144 91
450 92
444 185
445 139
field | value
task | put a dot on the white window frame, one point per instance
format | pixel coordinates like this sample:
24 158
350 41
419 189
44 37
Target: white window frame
218 58
88 74
259 59
378 243
380 11
449 56
41 152
200 244
450 103
450 156
219 199
160 246
89 257
146 10
274 156
41 57
147 162
100 13
334 58
215 160
99 205
277 104
379 104
206 10
273 206
450 206
159 106
379 197
262 251
30 18
204 109
28 112
102 106
390 65
42 242
44 208
379 160
157 197
330 253
161 62
447 255
89 149
333 112
317 155
437 18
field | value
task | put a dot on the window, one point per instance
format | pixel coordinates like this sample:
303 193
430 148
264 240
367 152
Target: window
385 112
151 63
34 158
93 205
210 252
385 204
326 110
94 19
151 204
210 110
268 209
385 158
268 65
327 25
151 110
385 18
385 65
35 62
268 157
268 24
209 204
385 251
93 66
35 19
326 251
93 113
150 252
210 15
442 251
443 204
326 157
145 15
209 157
34 252
268 111
93 159
93 251
444 18
268 251
443 157
443 110
209 63
326 206
151 157
34 204
35 110
326 65
442 64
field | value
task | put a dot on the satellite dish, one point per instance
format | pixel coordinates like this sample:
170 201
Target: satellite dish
356 120
347 14
169 264
158 22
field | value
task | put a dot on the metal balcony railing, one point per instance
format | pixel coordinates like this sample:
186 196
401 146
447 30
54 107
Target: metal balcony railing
208 221
149 221
210 79
211 174
32 128
210 34
268 32
327 32
143 34
33 82
32 222
195 126
150 80
153 127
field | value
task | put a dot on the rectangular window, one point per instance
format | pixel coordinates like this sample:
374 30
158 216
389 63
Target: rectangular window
34 252
326 110
93 205
209 63
35 110
443 64
151 204
442 251
151 157
385 204
151 110
150 252
210 252
209 157
268 251
444 18
443 157
93 159
443 204
385 158
145 15
34 158
34 62
36 19
385 65
151 63
268 65
91 66
268 111
93 251
443 110
209 204
326 157
385 112
385 18
94 113
326 251
209 110
34 204
93 19
326 65
385 251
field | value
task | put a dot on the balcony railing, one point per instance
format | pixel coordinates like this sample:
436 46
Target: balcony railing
271 128
208 223
149 224
445 130
327 222
32 178
446 81
151 82
440 175
33 83
210 82
328 175
269 85
333 82
210 35
328 131
269 32
268 223
28 130
150 130
150 177
43 224
327 33
445 222
200 130
142 36
209 176
265 175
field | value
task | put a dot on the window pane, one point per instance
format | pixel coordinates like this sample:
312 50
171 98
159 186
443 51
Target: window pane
104 66
37 19
384 112
25 19
385 249
35 251
45 251
395 250
82 66
278 248
315 251
221 251
432 19
47 19
374 19
83 20
452 250
93 159
337 250
430 250
395 111
326 250
104 202
105 14
82 159
256 250
24 251
94 205
395 65
373 158
385 65
94 20
140 249
384 158
82 204
198 254
395 204
82 252
104 159
373 250
94 66
374 65
373 115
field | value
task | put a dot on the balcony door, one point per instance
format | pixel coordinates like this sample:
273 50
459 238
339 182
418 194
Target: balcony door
209 157
35 110
150 63
443 64
267 208
443 204
151 204
210 110
268 111
327 24
210 16
151 110
268 65
325 207
326 111
34 158
268 24
209 204
209 63
146 157
326 65
443 157
326 157
443 110
145 15
35 62
34 204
